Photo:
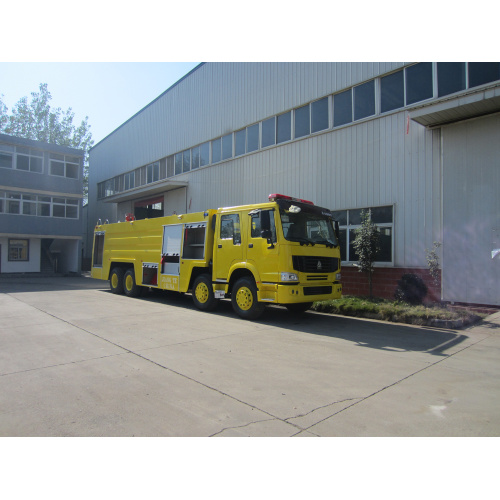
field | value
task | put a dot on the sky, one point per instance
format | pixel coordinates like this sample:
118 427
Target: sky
109 93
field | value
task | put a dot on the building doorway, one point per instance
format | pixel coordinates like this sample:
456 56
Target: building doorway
149 209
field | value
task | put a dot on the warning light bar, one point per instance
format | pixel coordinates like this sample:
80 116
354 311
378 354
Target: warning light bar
276 196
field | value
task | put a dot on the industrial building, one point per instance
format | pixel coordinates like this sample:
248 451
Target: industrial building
41 191
417 143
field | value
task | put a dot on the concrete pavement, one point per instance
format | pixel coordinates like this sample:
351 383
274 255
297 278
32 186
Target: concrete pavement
76 360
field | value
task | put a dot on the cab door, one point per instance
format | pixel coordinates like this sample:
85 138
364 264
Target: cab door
228 247
263 251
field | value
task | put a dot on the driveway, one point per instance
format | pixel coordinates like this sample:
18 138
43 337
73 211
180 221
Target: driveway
76 360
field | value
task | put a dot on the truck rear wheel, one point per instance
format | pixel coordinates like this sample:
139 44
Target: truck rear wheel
130 287
203 293
116 280
244 299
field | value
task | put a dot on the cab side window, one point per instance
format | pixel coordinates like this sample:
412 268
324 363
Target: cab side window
259 221
230 228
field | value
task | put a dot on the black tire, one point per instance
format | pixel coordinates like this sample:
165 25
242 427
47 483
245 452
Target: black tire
299 308
130 287
116 280
203 293
244 299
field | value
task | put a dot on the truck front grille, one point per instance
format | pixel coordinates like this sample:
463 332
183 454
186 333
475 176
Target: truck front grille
308 264
317 290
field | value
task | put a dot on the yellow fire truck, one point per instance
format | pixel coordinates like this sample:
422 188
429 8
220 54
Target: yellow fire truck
285 251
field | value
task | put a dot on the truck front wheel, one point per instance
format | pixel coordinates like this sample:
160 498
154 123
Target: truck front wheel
203 293
244 299
130 287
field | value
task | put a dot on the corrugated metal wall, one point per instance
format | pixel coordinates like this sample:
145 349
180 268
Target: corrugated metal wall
219 98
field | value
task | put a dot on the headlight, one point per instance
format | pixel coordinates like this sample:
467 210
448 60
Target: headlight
289 277
338 276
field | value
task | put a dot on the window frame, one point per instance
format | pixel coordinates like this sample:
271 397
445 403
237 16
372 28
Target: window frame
11 247
348 227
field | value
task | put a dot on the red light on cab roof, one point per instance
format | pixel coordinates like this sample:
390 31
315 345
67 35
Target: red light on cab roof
276 196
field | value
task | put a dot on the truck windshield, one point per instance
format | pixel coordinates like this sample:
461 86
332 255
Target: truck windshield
307 224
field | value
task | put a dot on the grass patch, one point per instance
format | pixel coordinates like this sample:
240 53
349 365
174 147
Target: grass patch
399 312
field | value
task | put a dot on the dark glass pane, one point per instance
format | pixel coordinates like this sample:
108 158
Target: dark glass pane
364 100
186 160
418 82
29 208
195 157
178 163
216 151
71 170
355 217
451 77
58 211
204 154
44 210
302 121
381 215
284 127
227 146
72 212
269 132
23 162
483 72
342 108
385 253
239 142
253 138
37 165
353 256
5 160
343 244
56 168
340 216
319 110
392 91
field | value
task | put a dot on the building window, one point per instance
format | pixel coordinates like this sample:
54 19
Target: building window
153 172
129 181
6 156
216 150
364 100
252 138
227 146
29 160
350 220
418 83
195 157
64 166
450 77
392 91
178 163
284 127
269 132
342 108
19 250
319 115
205 154
302 121
483 72
240 142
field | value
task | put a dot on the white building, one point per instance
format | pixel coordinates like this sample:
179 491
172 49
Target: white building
416 142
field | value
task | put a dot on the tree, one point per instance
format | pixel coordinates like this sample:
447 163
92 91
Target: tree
367 245
36 120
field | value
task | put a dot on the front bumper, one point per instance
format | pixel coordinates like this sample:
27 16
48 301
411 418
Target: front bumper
295 293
